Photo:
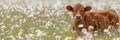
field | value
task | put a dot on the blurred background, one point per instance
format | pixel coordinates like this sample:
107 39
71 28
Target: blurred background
43 19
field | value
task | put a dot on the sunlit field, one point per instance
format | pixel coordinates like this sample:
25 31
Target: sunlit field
47 19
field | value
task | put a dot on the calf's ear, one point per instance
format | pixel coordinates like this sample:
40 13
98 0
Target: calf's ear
87 8
69 8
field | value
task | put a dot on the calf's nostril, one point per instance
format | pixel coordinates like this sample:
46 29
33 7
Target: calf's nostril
78 17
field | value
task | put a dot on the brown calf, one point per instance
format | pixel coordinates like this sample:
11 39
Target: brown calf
111 15
78 13
99 22
98 19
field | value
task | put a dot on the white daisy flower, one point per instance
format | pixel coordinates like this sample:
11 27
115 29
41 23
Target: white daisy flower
80 25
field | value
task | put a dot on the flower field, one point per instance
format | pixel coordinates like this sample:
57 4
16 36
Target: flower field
46 19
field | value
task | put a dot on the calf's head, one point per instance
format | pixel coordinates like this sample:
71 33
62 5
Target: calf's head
78 10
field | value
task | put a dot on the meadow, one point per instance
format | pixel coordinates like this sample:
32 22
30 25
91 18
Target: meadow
45 19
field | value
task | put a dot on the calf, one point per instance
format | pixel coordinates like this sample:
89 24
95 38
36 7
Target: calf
78 13
99 22
111 15
98 19
113 18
